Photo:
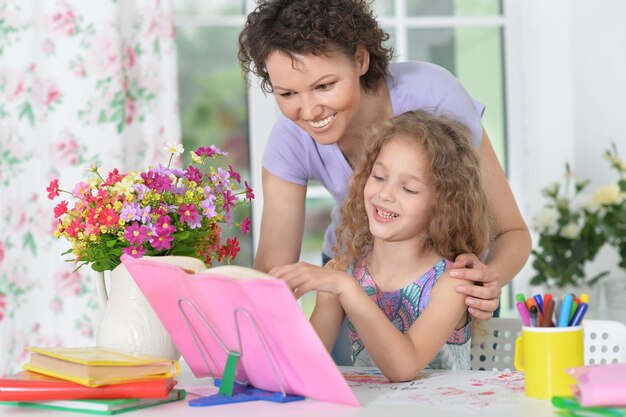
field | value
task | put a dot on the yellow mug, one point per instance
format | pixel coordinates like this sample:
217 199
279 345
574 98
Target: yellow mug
543 354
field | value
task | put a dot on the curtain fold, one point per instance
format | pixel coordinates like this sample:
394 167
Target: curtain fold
80 81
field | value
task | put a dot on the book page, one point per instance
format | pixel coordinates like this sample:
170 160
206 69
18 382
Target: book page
239 272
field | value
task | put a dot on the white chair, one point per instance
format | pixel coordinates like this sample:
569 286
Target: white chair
605 342
493 347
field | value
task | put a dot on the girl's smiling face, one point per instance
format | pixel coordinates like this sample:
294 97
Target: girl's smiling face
398 194
321 94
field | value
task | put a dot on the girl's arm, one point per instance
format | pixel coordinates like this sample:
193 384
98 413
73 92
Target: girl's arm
282 223
511 246
399 356
327 318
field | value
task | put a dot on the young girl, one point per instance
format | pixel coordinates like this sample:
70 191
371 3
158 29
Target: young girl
415 202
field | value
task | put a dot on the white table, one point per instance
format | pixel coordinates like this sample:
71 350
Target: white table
437 393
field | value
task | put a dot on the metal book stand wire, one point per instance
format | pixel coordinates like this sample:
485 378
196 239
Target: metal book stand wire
231 391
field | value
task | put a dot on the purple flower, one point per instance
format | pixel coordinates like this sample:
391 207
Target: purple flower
140 189
145 214
208 207
131 212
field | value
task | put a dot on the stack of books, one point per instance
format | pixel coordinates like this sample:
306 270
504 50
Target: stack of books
91 379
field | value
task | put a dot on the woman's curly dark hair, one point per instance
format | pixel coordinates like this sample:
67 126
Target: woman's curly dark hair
317 27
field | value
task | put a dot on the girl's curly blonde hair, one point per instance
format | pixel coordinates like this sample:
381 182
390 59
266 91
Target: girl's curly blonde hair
459 220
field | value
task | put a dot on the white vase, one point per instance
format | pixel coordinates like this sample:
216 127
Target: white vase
128 321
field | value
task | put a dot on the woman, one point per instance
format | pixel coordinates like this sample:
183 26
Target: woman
325 63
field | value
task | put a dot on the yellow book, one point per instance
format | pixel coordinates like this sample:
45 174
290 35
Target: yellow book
94 366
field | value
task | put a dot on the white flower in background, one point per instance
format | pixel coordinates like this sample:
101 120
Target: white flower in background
93 183
608 195
547 220
93 167
551 189
570 231
174 148
591 205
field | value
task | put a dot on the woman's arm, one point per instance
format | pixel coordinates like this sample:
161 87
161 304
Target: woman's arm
511 246
282 223
399 356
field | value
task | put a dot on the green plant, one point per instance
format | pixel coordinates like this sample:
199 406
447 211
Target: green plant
569 237
611 202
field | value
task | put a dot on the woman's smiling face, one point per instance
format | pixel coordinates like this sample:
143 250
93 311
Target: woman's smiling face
321 94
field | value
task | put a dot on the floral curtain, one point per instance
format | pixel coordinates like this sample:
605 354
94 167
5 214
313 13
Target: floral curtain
80 81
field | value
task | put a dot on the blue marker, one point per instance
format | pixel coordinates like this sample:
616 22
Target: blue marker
579 314
577 318
539 301
566 306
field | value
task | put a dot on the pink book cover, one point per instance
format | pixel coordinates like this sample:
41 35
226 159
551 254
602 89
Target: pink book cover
226 304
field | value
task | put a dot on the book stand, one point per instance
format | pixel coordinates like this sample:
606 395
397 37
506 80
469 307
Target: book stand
231 391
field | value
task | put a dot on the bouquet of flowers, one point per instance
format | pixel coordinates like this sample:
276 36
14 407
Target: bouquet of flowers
161 211
610 200
569 237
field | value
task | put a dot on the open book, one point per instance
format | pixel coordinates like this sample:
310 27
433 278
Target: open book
237 309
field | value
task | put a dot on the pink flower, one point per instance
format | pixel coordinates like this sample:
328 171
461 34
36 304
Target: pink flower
229 200
187 213
234 174
53 189
249 191
136 251
3 305
131 57
68 149
162 242
245 225
136 234
1 251
60 209
130 110
164 226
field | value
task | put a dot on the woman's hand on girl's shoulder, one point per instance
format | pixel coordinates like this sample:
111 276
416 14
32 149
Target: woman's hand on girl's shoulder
303 277
483 297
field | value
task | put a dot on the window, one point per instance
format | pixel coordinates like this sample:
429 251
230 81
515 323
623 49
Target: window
213 96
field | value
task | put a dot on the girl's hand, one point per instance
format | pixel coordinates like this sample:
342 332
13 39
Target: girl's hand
303 277
484 297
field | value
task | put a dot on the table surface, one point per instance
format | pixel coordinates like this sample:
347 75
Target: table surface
444 393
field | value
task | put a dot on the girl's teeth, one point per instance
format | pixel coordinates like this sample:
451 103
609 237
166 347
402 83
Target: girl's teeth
385 214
